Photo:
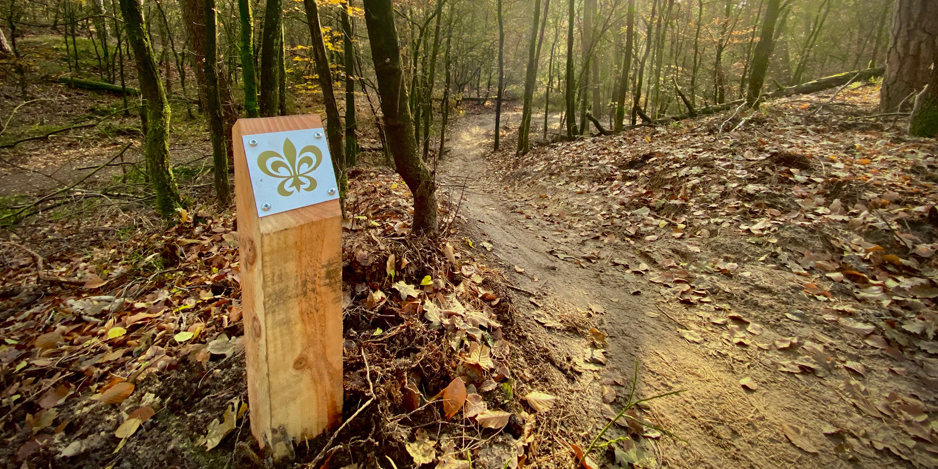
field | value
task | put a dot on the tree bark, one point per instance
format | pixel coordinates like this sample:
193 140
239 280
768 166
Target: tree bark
569 80
270 70
351 127
501 74
912 50
399 125
219 148
248 74
428 81
193 15
626 68
4 45
333 124
763 53
924 122
156 142
529 82
100 26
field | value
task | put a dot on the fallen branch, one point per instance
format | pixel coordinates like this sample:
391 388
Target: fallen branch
97 85
64 129
689 105
65 189
597 124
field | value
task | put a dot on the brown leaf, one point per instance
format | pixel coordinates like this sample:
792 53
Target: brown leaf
798 438
117 393
49 340
475 405
540 401
748 383
143 414
54 397
454 397
496 419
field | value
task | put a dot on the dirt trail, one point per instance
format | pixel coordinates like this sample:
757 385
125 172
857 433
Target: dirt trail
723 424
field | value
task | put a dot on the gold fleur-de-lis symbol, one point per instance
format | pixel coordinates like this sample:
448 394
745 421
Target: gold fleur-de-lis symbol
294 168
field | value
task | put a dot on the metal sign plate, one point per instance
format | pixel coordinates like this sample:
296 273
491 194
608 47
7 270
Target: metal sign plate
289 170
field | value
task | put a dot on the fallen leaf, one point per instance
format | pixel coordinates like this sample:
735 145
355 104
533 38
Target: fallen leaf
454 396
116 332
183 336
798 438
856 367
496 419
539 401
128 428
218 430
117 393
748 383
475 405
519 270
405 290
423 449
692 336
54 397
427 280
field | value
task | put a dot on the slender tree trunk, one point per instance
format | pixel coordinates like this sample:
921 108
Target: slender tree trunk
4 45
570 81
271 50
641 67
379 18
626 68
530 82
550 78
156 146
428 81
501 75
811 40
351 126
879 35
447 62
249 76
752 37
219 149
912 49
693 76
763 53
100 26
334 124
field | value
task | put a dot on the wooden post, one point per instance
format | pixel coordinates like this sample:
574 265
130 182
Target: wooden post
289 228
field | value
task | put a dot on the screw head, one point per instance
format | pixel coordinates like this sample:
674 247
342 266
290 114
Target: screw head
318 134
252 143
332 191
265 207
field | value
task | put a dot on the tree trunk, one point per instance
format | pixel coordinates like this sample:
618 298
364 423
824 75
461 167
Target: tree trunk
924 121
569 80
193 15
529 82
399 125
501 74
351 127
626 67
333 124
696 67
912 50
763 53
636 96
428 81
270 69
219 148
281 75
447 62
249 75
156 142
100 26
820 18
4 45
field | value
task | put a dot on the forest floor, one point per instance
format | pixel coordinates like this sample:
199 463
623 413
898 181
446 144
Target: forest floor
778 268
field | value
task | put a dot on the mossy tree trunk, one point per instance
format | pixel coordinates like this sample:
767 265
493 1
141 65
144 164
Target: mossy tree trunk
248 74
399 124
270 69
501 74
334 122
219 147
924 121
530 82
351 126
570 81
763 53
156 142
626 67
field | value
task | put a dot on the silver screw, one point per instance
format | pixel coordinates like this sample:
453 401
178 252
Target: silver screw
252 143
318 134
265 207
332 191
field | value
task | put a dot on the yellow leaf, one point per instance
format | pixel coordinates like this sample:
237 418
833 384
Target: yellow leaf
426 281
539 401
128 428
183 336
116 332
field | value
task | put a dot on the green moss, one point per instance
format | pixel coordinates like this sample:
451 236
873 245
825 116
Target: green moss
924 121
